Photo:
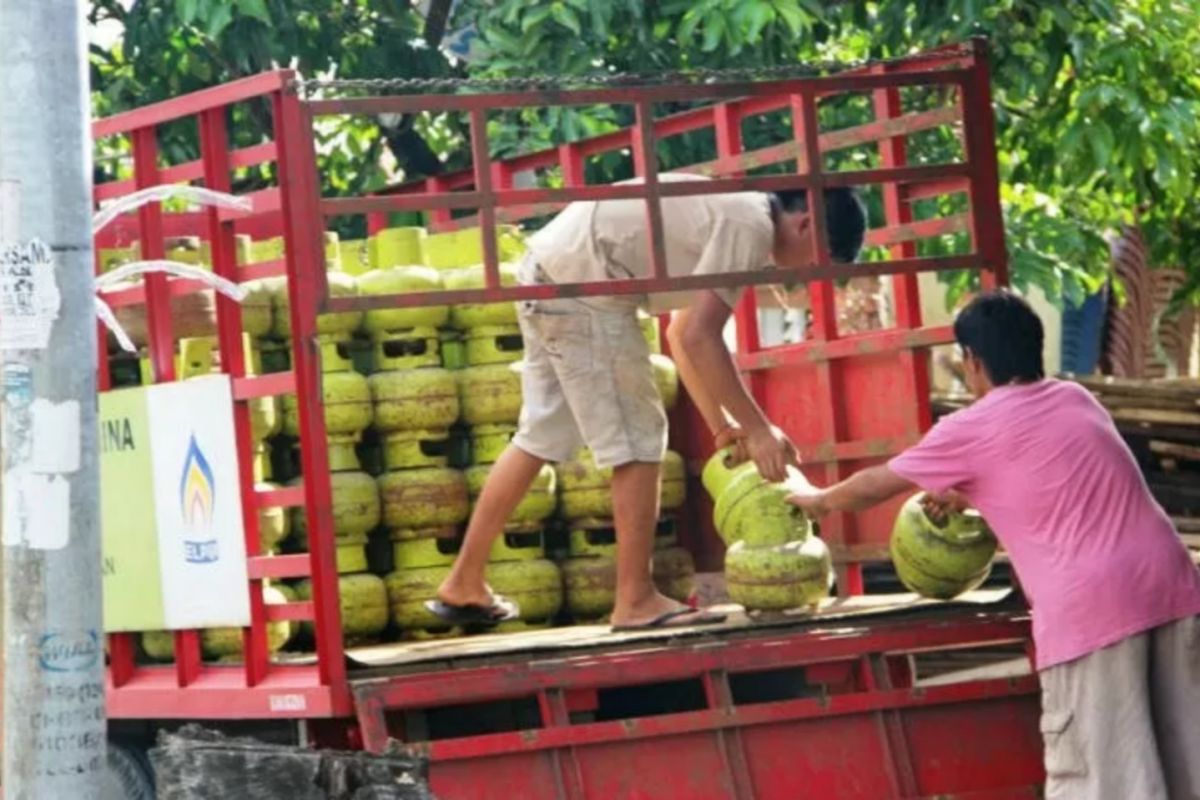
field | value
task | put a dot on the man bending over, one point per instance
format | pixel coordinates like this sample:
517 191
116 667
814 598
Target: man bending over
588 379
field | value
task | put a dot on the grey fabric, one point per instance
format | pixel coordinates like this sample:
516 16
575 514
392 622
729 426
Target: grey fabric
1124 722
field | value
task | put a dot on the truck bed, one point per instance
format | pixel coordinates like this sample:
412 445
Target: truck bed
785 701
422 656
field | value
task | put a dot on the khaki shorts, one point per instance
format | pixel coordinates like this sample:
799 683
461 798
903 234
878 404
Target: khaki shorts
588 381
1124 722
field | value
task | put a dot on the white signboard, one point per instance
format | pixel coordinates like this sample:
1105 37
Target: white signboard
198 504
174 543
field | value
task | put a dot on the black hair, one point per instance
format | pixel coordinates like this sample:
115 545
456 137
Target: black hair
1003 331
845 218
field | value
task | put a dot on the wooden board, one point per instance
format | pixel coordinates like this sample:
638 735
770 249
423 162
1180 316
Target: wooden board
584 637
1005 668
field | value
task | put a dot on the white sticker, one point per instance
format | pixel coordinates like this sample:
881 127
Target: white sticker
288 702
37 510
29 297
56 439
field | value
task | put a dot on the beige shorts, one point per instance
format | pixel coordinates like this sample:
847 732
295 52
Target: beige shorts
588 381
1124 722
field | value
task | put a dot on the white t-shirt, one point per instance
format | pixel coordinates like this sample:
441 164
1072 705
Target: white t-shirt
703 235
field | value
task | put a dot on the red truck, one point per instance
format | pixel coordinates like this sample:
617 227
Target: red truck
867 698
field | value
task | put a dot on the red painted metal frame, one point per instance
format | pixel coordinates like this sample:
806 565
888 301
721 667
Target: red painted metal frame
191 688
801 386
867 733
848 435
837 431
819 391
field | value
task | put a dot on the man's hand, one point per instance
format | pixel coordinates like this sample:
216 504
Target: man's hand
707 369
810 500
939 507
771 451
732 439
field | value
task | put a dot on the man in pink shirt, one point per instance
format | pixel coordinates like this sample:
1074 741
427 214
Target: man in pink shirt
1114 595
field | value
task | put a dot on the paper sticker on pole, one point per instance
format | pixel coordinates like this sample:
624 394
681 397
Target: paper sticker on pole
41 448
56 437
187 545
37 510
29 297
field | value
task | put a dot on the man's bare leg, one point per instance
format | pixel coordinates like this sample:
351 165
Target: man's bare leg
635 489
507 482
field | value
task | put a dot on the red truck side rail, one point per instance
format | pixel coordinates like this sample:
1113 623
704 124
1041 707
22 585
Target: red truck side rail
852 726
191 688
870 731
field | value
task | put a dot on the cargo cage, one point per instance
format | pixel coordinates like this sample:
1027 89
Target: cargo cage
820 391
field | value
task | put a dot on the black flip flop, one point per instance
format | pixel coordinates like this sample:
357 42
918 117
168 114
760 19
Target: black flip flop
501 610
702 618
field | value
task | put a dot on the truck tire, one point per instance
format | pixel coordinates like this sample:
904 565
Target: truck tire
129 775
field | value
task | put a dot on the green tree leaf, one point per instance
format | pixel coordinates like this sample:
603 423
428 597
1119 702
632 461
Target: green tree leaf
256 9
714 30
566 16
792 16
219 19
1098 101
761 14
687 28
187 10
534 16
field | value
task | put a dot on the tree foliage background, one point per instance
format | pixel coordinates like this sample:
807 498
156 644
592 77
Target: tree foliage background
1097 101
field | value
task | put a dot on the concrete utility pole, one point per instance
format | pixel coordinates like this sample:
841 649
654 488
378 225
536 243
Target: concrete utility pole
54 722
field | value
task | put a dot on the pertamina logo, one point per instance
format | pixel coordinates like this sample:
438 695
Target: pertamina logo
197 499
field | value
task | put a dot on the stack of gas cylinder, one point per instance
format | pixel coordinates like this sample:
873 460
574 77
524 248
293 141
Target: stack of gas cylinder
418 403
447 399
349 412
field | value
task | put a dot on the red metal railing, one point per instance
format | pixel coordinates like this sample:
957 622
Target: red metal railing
838 425
824 392
258 688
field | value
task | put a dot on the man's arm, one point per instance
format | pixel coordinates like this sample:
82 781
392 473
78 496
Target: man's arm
697 338
942 464
712 379
860 491
714 416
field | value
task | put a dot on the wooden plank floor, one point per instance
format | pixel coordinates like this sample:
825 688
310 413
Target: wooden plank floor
403 656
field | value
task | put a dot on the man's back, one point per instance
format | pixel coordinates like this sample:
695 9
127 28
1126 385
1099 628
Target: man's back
1044 464
703 234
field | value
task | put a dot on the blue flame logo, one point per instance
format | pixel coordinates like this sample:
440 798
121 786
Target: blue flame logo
197 499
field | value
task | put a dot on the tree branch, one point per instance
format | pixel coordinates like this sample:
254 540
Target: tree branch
436 21
413 153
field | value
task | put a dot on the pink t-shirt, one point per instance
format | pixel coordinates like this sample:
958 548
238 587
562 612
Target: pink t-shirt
1044 464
